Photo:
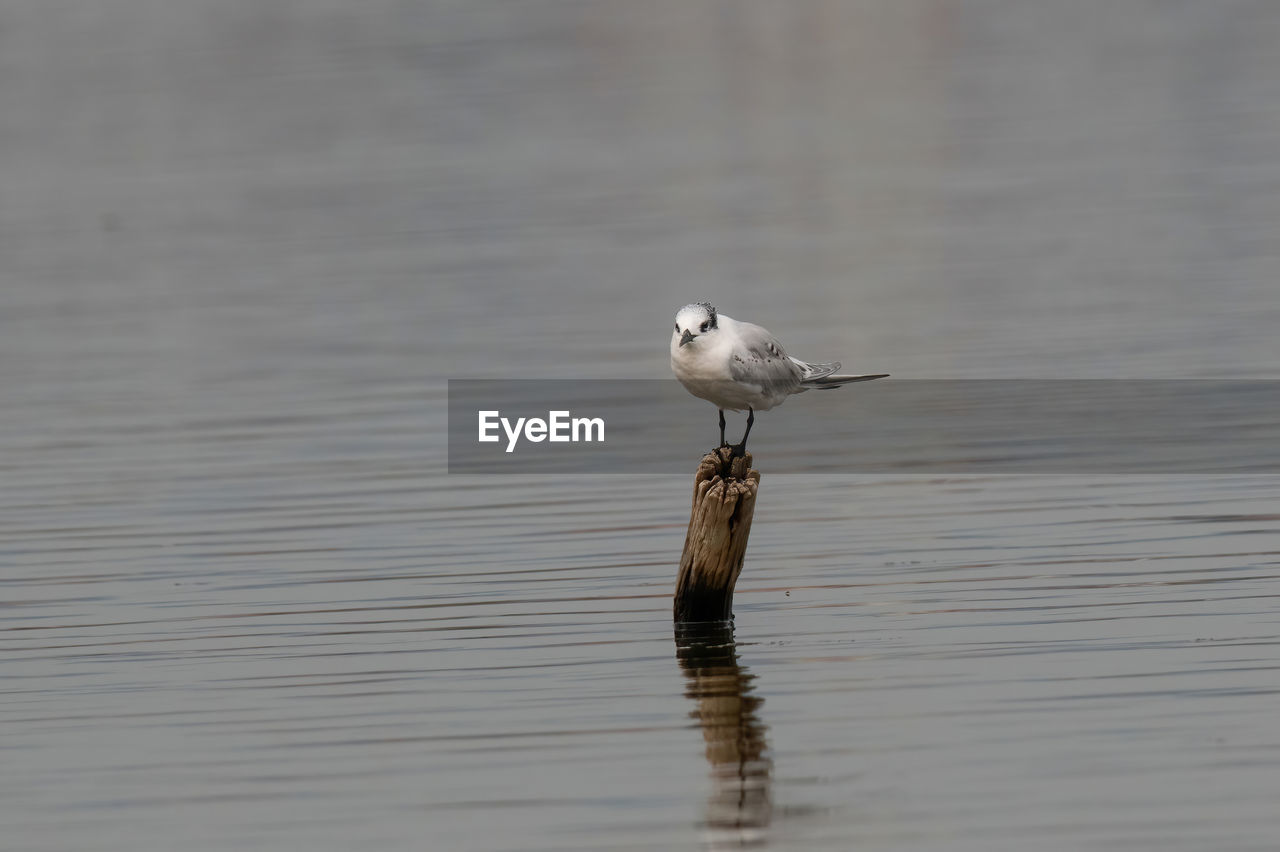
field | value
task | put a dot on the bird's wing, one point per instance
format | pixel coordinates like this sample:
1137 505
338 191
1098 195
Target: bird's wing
759 359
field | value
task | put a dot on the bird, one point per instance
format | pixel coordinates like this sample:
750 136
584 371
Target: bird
739 365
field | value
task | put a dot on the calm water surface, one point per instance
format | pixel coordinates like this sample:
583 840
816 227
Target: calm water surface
244 245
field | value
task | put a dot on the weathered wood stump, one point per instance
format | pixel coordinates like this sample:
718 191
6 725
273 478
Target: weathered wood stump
724 500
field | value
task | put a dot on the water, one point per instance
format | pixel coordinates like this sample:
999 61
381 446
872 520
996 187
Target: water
246 244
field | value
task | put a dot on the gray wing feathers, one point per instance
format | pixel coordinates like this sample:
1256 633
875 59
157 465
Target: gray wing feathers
762 361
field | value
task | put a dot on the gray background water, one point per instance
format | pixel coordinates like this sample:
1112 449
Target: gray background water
244 244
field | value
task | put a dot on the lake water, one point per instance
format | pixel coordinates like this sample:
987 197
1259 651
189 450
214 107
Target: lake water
245 245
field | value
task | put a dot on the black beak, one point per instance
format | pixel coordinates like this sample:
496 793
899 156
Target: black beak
686 337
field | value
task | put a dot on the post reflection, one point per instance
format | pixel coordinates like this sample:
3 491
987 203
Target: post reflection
740 806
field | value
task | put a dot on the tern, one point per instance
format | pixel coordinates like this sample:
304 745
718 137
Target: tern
739 365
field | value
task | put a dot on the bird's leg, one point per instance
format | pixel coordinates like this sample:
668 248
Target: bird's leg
723 442
741 449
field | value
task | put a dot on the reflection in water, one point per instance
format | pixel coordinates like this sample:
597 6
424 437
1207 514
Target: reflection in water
739 806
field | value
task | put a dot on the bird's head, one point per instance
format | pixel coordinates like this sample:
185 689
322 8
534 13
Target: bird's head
693 321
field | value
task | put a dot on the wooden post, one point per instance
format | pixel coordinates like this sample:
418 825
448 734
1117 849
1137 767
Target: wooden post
724 499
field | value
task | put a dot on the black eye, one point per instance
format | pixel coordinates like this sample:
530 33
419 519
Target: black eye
703 327
677 326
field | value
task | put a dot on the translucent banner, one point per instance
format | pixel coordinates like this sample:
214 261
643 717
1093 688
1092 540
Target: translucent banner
886 426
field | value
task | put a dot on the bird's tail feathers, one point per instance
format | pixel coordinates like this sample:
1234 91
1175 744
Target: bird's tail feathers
809 372
829 380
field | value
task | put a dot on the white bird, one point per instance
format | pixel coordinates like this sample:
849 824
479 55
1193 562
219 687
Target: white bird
738 365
